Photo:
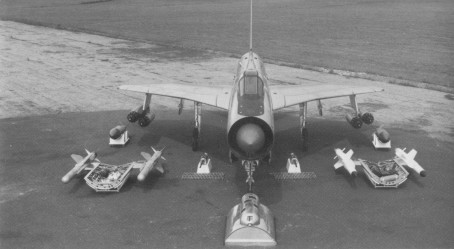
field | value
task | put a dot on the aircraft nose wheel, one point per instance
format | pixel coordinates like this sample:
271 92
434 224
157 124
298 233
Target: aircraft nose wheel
195 139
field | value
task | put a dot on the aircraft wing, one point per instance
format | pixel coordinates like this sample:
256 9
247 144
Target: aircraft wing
217 96
288 95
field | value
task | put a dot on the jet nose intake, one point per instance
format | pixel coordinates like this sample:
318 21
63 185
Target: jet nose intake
250 138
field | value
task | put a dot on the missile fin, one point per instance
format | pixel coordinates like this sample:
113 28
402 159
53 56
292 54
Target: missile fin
399 161
77 158
412 154
160 168
146 156
338 164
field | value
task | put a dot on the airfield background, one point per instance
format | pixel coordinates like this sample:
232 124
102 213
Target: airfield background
410 41
60 97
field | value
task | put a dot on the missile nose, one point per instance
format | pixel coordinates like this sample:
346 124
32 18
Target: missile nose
65 179
423 173
141 178
250 138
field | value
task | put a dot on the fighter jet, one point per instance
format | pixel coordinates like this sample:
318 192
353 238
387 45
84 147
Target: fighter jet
345 160
250 102
151 163
81 164
408 159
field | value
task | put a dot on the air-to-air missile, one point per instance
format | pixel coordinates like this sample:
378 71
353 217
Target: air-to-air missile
151 163
81 164
409 160
344 160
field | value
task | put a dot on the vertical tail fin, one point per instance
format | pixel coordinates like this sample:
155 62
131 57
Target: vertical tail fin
250 31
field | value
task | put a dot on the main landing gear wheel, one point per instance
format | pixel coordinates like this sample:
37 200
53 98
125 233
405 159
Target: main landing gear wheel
367 118
304 139
356 122
195 139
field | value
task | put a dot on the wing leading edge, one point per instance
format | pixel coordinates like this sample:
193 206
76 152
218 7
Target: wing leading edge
285 96
217 96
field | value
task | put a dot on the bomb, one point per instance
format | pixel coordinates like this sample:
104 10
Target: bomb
382 135
117 131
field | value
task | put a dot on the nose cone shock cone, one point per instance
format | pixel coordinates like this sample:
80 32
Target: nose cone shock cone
250 138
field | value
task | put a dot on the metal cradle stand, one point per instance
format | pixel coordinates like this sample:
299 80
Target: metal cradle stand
379 144
122 140
250 224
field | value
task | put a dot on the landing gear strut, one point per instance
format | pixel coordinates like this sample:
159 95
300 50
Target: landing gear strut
195 139
232 157
197 123
304 132
358 119
249 166
268 158
355 121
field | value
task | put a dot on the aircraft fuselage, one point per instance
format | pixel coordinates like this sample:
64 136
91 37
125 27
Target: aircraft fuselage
250 126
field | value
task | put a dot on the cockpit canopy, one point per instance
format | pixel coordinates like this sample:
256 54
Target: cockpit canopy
251 84
251 94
